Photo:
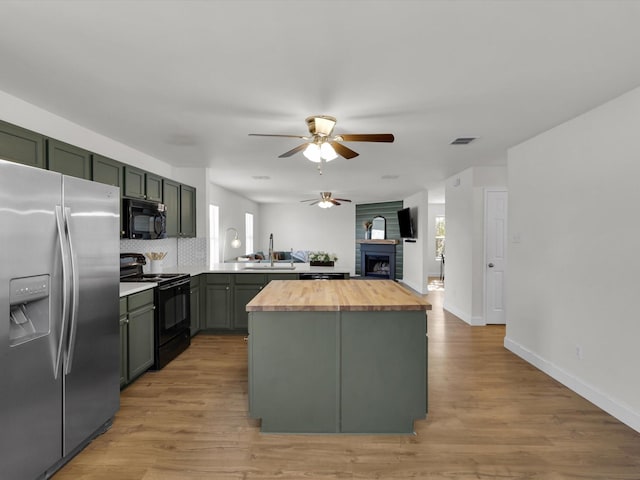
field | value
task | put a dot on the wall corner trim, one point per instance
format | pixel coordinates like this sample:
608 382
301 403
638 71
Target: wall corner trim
617 409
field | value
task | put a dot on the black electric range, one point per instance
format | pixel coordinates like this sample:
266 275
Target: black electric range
172 298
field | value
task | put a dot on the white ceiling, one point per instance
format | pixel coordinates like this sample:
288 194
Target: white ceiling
186 81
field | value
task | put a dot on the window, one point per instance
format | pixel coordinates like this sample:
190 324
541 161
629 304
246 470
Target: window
248 231
440 234
214 234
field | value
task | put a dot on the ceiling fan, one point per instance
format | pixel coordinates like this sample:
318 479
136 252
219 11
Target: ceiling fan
326 200
322 145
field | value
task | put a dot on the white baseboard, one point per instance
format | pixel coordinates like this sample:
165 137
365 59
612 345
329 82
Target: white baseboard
619 410
415 288
464 316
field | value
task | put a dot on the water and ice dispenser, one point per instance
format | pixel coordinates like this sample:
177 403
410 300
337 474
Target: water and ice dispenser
30 312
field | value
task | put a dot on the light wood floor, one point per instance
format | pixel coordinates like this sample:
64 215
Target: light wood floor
491 416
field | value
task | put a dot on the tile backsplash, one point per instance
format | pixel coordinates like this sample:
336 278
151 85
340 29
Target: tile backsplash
192 251
180 251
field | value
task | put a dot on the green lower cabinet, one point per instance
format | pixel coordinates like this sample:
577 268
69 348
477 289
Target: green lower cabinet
124 343
337 372
227 296
242 294
140 341
218 307
136 340
196 304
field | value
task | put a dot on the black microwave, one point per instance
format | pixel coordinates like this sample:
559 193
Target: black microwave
143 219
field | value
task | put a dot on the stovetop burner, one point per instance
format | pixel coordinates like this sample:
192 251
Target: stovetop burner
159 278
131 271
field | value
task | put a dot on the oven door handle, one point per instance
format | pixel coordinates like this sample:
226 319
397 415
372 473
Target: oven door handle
173 285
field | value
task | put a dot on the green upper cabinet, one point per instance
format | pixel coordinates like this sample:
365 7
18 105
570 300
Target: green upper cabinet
171 200
21 146
180 201
106 170
153 187
134 182
68 159
187 211
141 184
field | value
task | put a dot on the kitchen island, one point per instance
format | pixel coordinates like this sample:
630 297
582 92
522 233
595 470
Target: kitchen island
344 356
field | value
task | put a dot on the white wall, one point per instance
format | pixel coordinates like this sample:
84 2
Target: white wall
232 210
458 259
464 256
433 265
414 260
574 230
302 227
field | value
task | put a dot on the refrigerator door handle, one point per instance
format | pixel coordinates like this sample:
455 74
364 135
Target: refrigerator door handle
65 288
75 295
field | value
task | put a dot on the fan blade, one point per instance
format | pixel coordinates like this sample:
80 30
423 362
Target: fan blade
293 151
311 204
343 151
310 200
367 137
270 135
333 200
343 199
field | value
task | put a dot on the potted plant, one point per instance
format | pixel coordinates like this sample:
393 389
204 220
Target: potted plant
322 259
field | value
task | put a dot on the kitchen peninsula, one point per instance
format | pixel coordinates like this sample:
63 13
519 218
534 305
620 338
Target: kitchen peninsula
345 356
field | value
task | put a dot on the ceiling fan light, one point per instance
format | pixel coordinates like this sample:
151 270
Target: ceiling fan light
312 152
327 152
325 204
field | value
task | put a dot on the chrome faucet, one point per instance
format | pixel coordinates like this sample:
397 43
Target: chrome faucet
271 249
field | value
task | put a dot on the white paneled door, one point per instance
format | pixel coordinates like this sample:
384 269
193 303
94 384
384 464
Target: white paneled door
495 255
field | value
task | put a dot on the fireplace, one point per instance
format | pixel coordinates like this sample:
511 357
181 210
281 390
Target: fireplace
377 259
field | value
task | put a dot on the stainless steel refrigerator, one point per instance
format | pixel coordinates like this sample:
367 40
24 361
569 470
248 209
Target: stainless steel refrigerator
59 330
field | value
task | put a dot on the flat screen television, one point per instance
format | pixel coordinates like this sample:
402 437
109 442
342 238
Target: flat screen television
405 223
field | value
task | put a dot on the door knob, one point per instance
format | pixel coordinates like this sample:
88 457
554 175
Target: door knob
490 265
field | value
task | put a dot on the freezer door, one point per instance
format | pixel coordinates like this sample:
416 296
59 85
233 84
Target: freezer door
30 314
92 364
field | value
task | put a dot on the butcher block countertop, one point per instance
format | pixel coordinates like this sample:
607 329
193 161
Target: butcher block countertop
335 295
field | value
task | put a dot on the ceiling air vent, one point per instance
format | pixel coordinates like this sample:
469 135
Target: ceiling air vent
463 140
